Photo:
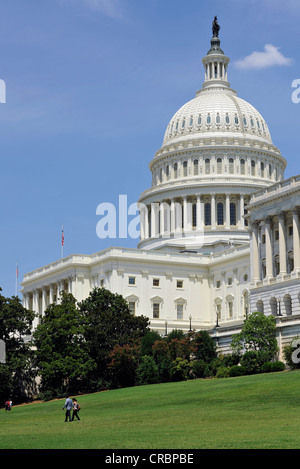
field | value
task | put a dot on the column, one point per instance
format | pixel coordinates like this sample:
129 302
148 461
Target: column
172 215
59 289
154 219
213 211
199 212
255 253
296 239
44 306
178 217
282 243
185 214
51 294
269 250
227 212
142 223
146 226
162 218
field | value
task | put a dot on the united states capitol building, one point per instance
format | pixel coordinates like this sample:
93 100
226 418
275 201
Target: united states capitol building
219 227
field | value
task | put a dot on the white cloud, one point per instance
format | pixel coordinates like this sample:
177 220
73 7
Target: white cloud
269 57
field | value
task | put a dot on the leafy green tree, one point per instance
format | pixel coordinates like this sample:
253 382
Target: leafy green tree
15 324
123 365
108 323
205 347
147 372
61 351
258 334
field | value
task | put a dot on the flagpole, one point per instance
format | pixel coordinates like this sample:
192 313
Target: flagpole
62 241
17 274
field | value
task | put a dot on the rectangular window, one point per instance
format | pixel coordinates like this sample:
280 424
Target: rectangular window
131 305
156 282
179 311
230 281
290 230
131 280
156 310
218 283
179 283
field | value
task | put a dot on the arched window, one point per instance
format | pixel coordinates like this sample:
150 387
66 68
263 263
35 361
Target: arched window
208 119
218 119
160 175
253 168
167 172
196 167
207 214
243 167
183 124
227 120
219 166
175 170
199 120
185 169
231 166
262 169
207 166
232 213
220 213
191 121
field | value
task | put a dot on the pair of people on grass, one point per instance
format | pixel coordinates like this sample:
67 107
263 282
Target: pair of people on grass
71 404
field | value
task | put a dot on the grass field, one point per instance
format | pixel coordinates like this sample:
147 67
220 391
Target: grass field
248 412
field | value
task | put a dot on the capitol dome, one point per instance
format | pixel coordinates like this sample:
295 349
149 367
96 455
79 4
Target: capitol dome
216 152
219 112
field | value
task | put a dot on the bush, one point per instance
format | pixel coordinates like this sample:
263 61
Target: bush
222 372
278 366
200 369
267 367
147 372
253 361
180 369
236 370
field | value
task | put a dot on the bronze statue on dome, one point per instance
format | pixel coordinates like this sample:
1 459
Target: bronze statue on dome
215 27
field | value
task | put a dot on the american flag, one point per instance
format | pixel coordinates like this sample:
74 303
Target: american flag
17 271
62 237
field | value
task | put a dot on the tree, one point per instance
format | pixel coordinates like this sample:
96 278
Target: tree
15 324
108 323
61 350
205 347
258 334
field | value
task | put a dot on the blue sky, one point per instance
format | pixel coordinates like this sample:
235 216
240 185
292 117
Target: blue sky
90 88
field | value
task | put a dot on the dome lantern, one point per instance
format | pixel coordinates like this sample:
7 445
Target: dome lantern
215 62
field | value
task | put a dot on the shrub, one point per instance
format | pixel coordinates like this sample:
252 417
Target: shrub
278 366
222 372
200 369
236 370
267 367
180 369
253 361
147 372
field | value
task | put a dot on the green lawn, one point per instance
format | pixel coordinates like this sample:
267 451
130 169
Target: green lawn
260 411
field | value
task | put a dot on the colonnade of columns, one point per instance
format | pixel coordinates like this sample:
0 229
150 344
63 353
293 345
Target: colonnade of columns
37 300
269 242
187 213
